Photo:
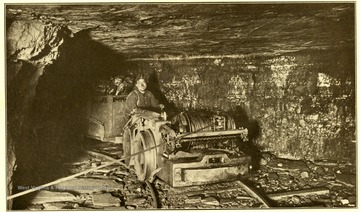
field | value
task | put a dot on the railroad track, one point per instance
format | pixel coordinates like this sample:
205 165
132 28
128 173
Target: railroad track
235 193
231 194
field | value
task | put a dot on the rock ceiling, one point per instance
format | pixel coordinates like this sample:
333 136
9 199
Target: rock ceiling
157 30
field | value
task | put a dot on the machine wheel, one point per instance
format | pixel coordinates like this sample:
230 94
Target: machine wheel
127 145
145 162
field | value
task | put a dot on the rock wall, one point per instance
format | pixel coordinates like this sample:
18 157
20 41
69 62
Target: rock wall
31 46
304 102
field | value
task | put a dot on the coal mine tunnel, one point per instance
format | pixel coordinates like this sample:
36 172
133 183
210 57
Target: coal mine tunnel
259 106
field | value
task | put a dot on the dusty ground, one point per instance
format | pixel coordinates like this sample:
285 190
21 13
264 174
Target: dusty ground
313 184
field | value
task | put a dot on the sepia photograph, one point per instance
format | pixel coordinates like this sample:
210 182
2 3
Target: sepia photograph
180 105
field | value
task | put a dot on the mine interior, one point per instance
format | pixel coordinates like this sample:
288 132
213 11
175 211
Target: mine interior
259 106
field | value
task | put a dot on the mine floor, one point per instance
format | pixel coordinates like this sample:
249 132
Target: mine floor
280 182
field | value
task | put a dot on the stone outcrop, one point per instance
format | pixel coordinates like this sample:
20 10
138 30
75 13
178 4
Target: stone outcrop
31 46
35 41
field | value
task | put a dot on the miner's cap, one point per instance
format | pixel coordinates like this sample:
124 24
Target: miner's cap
119 77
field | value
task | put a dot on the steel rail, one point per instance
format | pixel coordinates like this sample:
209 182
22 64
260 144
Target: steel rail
255 194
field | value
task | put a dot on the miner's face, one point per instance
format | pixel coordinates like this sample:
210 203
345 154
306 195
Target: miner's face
141 85
117 81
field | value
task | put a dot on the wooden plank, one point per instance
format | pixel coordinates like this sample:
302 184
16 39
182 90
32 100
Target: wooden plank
210 191
88 185
44 196
288 165
105 200
304 192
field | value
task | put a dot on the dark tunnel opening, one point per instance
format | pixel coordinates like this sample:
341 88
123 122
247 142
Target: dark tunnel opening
249 147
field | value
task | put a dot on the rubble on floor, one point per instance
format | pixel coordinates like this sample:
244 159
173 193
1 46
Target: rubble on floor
287 183
319 183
